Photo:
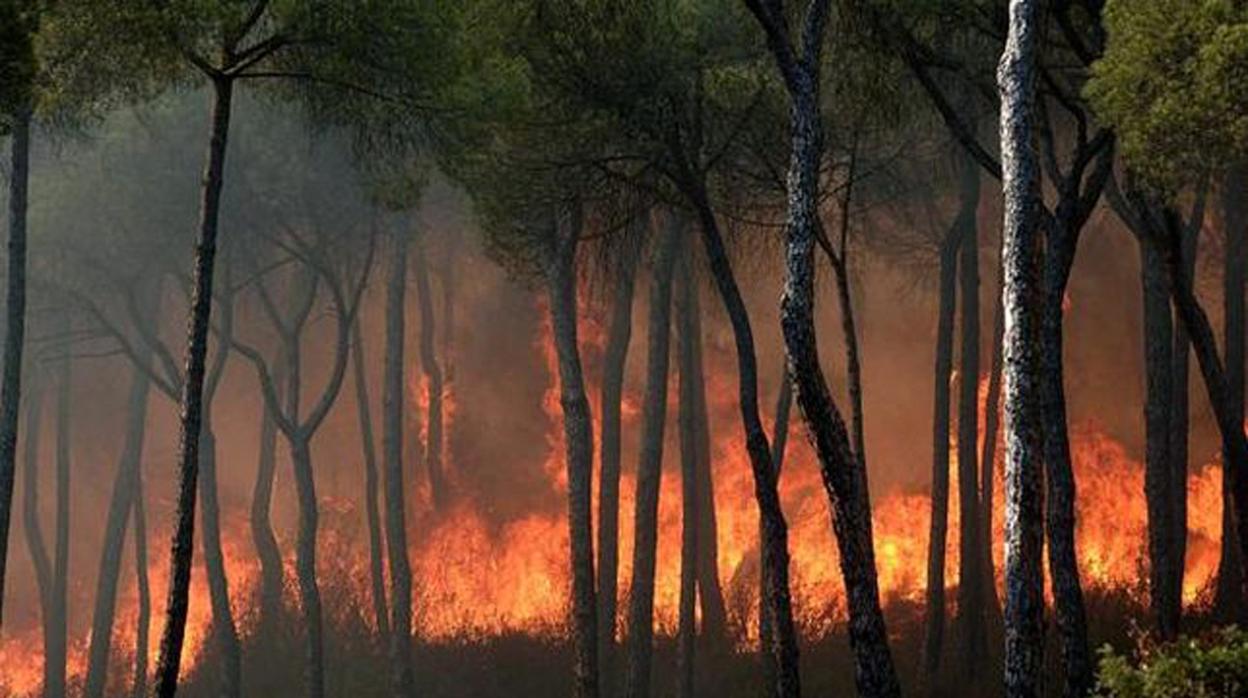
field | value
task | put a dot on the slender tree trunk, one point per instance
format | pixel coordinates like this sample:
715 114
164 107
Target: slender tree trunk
224 631
1072 621
973 641
1229 602
265 542
710 592
191 417
305 567
393 396
779 442
938 529
843 471
1024 436
125 486
144 620
649 467
774 545
1158 482
1180 425
689 493
15 322
376 551
618 338
56 623
579 441
988 459
35 543
433 382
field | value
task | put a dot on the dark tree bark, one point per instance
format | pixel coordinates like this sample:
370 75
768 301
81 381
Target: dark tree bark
120 506
305 566
779 444
560 272
433 382
710 592
376 550
393 398
272 572
191 418
649 467
1024 437
143 622
1159 485
690 464
972 637
15 322
618 338
1229 603
55 622
934 632
224 631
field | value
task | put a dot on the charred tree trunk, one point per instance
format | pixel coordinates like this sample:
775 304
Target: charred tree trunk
779 444
144 620
1158 482
191 418
579 440
305 567
649 467
1024 435
55 626
843 471
774 545
972 638
433 382
376 552
618 338
1180 424
15 322
120 506
1229 602
687 622
265 542
941 428
392 400
710 592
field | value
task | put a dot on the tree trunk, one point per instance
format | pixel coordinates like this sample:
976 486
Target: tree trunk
1180 425
649 467
1229 603
393 398
579 442
843 471
938 529
224 632
1072 621
376 552
125 486
1024 437
267 550
779 443
972 640
988 459
35 542
305 567
191 417
687 622
15 322
1159 487
774 545
433 382
143 623
710 592
618 338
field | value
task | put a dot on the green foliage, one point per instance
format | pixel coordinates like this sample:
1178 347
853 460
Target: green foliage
17 59
1172 83
1217 668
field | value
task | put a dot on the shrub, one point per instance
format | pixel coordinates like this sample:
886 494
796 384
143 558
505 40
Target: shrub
1216 667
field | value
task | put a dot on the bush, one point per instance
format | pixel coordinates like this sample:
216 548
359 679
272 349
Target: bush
1213 668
